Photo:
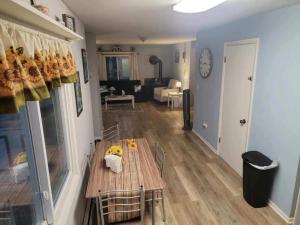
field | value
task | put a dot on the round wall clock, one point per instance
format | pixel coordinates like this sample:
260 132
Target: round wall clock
205 62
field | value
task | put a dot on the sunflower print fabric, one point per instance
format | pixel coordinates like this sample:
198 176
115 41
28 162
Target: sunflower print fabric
11 75
131 144
31 65
114 150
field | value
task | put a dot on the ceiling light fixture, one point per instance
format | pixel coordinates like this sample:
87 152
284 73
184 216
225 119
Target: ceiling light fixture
196 6
142 38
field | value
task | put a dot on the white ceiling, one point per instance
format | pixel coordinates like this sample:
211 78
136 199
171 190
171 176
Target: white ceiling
124 21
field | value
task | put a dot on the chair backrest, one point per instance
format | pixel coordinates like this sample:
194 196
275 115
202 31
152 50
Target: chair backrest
121 203
112 132
160 158
90 160
90 157
6 215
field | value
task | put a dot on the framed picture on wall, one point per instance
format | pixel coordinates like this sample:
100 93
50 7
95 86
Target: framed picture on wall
69 22
78 96
85 65
177 56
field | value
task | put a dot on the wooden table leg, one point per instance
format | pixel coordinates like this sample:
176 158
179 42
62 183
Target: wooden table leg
153 207
163 205
168 101
98 212
105 104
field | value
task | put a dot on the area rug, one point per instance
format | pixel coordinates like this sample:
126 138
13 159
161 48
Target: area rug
122 108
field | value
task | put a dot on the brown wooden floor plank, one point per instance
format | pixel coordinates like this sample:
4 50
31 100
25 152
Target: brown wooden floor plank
200 187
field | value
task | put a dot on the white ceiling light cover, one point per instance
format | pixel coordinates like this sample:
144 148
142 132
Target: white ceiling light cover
196 6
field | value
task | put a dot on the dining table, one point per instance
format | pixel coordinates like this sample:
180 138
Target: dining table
138 169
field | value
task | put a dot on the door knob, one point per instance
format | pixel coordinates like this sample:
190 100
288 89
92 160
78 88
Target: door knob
242 122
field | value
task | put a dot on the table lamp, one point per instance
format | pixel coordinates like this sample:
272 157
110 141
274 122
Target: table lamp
178 86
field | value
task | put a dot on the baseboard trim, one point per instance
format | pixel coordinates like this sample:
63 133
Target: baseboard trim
205 141
279 212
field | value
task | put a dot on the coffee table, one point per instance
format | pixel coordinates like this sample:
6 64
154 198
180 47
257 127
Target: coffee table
112 98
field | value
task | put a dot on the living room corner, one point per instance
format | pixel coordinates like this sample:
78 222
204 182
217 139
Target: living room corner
170 74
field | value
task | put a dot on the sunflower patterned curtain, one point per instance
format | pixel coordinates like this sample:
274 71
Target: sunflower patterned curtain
31 64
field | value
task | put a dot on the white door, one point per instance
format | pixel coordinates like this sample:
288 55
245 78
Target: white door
238 75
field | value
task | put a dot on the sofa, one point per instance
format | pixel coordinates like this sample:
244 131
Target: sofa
151 83
131 87
161 93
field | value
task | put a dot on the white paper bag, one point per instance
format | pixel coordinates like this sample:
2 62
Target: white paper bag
20 172
114 162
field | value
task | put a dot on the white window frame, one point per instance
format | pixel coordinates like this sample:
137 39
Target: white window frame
56 214
118 55
37 133
66 199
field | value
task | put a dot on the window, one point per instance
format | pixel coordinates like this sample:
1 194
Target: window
55 144
33 161
117 67
18 175
22 178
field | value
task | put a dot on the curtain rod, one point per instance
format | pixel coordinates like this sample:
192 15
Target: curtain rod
23 28
116 53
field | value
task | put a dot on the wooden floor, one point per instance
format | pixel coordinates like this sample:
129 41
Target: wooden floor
201 187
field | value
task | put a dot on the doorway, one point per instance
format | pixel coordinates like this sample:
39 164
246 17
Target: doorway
238 80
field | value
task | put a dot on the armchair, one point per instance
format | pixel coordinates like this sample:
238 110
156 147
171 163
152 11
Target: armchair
161 93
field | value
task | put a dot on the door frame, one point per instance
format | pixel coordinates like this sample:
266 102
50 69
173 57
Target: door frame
232 43
297 209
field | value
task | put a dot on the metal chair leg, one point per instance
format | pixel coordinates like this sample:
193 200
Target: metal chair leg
142 205
163 205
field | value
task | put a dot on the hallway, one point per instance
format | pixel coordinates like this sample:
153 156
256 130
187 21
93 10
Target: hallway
201 187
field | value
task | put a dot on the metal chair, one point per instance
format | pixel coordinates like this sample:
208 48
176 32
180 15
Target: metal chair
90 157
160 158
91 202
90 160
112 132
121 203
6 215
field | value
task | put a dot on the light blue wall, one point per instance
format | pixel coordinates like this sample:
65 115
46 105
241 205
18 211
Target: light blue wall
275 128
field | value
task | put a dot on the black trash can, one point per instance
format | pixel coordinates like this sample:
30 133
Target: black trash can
258 177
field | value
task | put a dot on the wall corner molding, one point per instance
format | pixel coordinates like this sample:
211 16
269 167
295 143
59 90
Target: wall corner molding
272 205
279 212
212 148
